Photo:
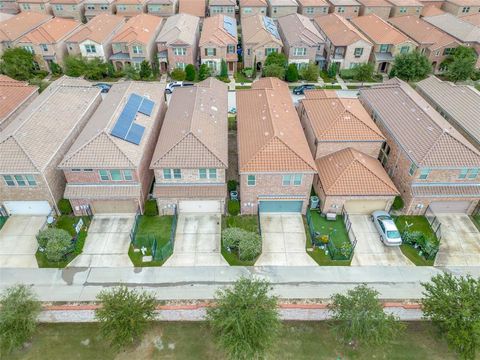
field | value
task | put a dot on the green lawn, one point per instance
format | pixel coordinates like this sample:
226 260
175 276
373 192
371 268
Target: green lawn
3 220
245 222
66 222
241 78
232 122
336 229
419 223
194 341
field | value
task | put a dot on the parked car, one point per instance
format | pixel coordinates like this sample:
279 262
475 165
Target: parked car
387 229
104 87
171 86
300 90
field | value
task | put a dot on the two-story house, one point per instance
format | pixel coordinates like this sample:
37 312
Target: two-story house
302 42
11 30
344 44
260 37
94 39
279 8
387 41
135 41
191 156
429 161
177 43
433 43
69 9
47 42
9 7
461 7
253 7
225 7
381 8
34 143
163 8
98 7
275 164
41 6
218 42
405 7
313 8
130 8
108 166
346 8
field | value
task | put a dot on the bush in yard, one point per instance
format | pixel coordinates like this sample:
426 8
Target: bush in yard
233 207
276 59
451 303
245 320
19 308
223 69
461 64
359 318
232 185
55 68
151 208
178 74
145 70
131 73
310 73
204 72
248 72
124 314
74 66
411 66
58 245
274 70
347 74
363 72
247 244
65 207
292 73
190 72
398 203
333 70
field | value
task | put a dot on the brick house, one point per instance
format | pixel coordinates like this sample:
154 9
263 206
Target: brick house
260 37
346 8
387 41
225 7
461 7
344 44
163 8
177 43
405 7
135 41
302 43
279 8
430 162
130 8
313 8
218 42
47 42
68 9
191 156
107 168
9 7
381 8
34 143
98 7
40 6
94 39
253 7
433 43
16 96
275 164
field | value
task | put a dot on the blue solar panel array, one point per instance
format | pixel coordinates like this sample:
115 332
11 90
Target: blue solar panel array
125 128
230 26
271 27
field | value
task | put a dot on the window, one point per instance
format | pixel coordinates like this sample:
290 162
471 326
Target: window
88 170
207 173
448 51
249 52
424 173
299 51
286 180
103 7
251 181
8 180
473 173
292 179
231 49
466 9
116 175
74 7
90 49
76 170
247 10
121 8
309 10
268 51
358 52
104 175
180 65
210 52
212 65
217 9
297 179
403 10
463 174
384 152
90 7
20 180
167 173
384 48
44 47
274 10
202 173
59 7
137 49
180 51
177 174
404 49
127 175
413 167
340 9
29 49
42 7
325 9
31 180
26 6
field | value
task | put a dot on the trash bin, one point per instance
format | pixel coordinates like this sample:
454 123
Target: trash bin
314 202
234 195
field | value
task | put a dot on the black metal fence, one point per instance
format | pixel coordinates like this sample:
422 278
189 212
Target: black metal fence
434 223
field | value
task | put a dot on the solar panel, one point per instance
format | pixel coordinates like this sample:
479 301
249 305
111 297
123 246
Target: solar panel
230 25
146 107
135 134
271 27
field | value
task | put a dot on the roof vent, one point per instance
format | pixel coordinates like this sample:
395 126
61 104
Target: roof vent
214 108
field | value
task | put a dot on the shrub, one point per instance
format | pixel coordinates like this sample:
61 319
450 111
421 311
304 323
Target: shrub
232 185
17 63
233 207
310 73
332 70
19 308
131 73
190 72
55 68
275 58
231 237
151 208
411 66
247 244
397 203
178 74
248 72
124 314
74 66
145 70
65 207
363 72
223 69
274 70
292 73
347 74
57 245
204 72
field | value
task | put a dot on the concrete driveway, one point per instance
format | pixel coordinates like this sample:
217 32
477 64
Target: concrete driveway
460 243
107 242
370 250
18 243
283 240
197 241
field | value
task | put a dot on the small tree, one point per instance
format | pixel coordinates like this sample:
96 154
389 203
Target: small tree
131 73
274 70
247 244
223 69
204 72
310 73
55 68
461 64
245 320
74 66
275 58
145 70
95 69
292 73
363 72
332 70
18 317
124 314
451 303
18 63
178 74
411 66
359 317
190 72
55 243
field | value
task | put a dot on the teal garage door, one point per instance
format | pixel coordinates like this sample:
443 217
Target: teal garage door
281 206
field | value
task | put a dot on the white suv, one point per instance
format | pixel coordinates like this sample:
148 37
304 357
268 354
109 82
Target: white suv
175 84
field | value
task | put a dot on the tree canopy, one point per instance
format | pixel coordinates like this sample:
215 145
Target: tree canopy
412 66
461 64
18 63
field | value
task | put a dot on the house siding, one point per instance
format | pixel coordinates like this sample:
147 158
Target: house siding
257 51
278 11
381 11
316 10
410 10
69 11
350 12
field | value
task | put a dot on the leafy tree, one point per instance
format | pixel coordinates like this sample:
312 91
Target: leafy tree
18 317
204 72
248 244
55 242
223 69
178 74
292 73
74 66
310 73
274 70
190 72
131 73
145 70
276 59
363 72
461 64
124 314
332 70
245 320
452 304
95 69
18 63
359 317
411 66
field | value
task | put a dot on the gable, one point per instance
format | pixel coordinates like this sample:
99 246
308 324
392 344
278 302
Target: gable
449 151
14 158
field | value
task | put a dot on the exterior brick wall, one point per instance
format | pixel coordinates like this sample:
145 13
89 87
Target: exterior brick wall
411 10
36 7
254 10
190 176
70 11
257 52
350 12
166 9
278 11
381 11
91 13
317 10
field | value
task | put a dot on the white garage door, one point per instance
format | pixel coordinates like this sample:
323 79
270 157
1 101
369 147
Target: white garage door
204 206
27 207
451 207
364 207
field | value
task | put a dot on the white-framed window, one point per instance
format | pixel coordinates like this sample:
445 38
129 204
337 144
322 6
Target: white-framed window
231 49
247 10
20 180
211 64
104 7
180 65
207 173
269 51
44 47
26 6
325 10
384 48
42 7
309 10
29 49
104 175
137 49
217 9
121 8
59 7
412 169
463 174
300 51
403 10
340 9
358 52
424 173
90 49
127 175
404 49
172 174
466 9
473 173
292 179
115 175
251 180
210 52
9 180
179 51
90 7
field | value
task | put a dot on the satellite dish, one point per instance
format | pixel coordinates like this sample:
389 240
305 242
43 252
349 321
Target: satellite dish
50 220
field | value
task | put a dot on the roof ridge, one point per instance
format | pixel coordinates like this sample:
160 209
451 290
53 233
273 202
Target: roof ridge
172 147
346 167
355 159
376 131
208 149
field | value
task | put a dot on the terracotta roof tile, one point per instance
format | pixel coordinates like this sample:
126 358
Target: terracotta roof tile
139 28
99 29
193 7
253 3
456 27
297 29
214 31
15 27
312 3
13 94
66 1
378 30
473 19
101 191
51 32
190 192
339 30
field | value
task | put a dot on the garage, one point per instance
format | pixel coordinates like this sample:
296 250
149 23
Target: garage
450 207
281 206
114 206
27 207
364 207
201 206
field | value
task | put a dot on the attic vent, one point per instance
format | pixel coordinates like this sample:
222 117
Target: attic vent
281 133
214 108
429 128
